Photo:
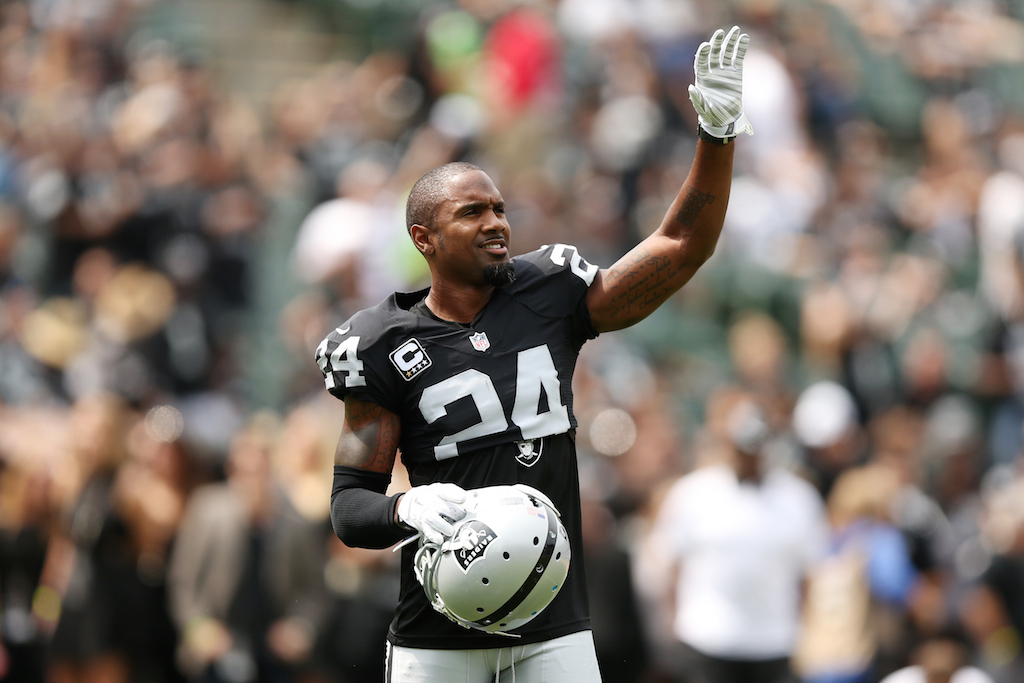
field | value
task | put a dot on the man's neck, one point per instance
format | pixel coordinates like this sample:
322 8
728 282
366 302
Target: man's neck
458 305
748 468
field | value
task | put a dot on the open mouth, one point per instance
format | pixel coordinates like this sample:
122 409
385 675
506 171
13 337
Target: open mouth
496 247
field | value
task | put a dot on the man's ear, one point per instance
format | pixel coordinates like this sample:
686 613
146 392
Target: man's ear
422 237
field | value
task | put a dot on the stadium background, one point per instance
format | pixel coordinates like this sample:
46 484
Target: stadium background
193 192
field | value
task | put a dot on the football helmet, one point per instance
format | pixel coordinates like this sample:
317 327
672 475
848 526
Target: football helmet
505 562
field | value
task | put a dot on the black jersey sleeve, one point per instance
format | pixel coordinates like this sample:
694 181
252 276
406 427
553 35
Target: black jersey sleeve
553 281
352 360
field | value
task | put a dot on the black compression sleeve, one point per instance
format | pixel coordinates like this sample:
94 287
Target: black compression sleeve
362 516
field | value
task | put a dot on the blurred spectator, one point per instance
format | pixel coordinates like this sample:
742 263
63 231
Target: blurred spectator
28 517
745 535
246 574
90 562
332 246
857 597
826 424
363 587
898 437
993 611
1000 220
940 660
619 635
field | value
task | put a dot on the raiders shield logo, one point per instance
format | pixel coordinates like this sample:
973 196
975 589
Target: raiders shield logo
529 452
472 541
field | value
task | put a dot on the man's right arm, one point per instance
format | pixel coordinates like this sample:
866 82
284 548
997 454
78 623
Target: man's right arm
369 437
362 515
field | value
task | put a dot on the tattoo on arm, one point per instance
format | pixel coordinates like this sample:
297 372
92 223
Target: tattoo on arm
369 438
693 202
640 281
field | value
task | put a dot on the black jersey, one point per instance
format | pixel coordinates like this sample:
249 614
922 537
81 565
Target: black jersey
480 405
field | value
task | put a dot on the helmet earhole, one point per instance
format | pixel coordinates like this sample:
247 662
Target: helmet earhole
536 541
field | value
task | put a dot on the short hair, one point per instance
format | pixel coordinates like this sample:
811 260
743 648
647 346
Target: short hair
430 190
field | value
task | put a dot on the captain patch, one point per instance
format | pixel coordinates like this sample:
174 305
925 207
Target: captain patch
410 359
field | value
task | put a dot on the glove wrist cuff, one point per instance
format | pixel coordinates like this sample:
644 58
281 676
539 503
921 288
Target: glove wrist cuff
396 512
726 132
704 135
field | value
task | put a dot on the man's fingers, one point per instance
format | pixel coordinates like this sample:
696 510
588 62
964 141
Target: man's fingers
451 492
433 535
453 513
741 51
441 524
717 41
697 99
701 65
729 46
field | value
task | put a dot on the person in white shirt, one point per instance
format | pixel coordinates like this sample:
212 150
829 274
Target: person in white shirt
939 660
743 536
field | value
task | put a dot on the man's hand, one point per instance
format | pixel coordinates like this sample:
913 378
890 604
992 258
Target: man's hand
717 91
432 510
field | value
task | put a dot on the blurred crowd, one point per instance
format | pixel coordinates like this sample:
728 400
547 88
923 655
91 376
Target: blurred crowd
171 253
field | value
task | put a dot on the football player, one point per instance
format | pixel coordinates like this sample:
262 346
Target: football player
471 380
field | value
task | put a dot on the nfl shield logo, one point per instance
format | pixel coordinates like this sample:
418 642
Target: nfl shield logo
480 341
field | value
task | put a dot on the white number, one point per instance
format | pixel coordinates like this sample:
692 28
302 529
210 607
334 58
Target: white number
342 359
535 370
583 270
435 400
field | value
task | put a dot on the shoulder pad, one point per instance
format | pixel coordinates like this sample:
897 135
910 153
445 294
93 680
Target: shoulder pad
556 258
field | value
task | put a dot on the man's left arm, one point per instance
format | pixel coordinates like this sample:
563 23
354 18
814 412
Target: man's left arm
643 279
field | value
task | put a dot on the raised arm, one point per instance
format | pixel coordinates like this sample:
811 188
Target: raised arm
651 272
655 269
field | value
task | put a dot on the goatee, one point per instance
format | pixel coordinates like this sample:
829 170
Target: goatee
500 274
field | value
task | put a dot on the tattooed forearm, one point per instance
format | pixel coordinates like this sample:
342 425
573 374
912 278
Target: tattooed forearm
693 202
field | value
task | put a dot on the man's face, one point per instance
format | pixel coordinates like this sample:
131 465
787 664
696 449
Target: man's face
471 233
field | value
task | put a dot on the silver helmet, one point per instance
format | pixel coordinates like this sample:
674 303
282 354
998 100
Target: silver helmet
505 562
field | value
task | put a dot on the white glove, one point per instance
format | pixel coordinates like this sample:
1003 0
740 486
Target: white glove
717 91
432 510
